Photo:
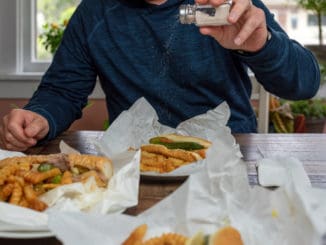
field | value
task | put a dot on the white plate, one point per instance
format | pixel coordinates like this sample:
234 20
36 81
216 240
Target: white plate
25 234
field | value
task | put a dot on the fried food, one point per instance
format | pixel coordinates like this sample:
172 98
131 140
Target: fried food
168 239
225 236
167 152
24 179
137 235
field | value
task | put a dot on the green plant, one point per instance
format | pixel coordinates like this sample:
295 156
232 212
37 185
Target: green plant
313 108
319 8
52 35
322 67
281 116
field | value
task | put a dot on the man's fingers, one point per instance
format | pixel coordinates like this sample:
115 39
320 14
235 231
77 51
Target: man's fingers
21 129
16 131
247 29
238 9
37 129
15 144
7 141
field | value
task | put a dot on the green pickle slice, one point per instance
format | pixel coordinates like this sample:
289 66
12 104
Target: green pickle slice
56 179
188 146
43 167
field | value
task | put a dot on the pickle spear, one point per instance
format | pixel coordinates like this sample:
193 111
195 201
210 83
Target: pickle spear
188 146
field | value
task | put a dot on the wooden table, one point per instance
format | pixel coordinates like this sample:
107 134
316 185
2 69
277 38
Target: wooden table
308 148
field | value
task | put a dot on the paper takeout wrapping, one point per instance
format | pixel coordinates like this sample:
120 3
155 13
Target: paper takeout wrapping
121 193
140 123
217 195
131 129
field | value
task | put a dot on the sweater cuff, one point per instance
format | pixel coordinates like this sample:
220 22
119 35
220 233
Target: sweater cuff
52 126
267 53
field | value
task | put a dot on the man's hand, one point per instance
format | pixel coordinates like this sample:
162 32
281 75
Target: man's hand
247 32
21 129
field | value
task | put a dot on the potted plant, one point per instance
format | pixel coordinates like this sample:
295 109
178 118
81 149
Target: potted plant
281 117
52 35
303 116
314 112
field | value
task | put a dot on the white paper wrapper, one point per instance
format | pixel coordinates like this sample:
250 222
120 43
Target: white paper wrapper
278 171
216 196
137 125
121 194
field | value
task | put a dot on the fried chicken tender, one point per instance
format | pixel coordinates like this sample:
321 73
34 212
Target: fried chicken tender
175 153
159 163
91 162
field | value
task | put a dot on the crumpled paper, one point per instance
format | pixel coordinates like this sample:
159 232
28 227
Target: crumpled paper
134 127
278 171
121 194
217 195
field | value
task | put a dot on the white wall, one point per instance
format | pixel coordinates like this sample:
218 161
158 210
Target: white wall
7 36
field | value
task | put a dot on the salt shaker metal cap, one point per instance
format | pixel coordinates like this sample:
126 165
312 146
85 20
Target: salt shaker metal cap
187 14
205 15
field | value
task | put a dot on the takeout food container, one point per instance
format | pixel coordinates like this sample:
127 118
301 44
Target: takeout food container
131 129
120 193
216 196
136 126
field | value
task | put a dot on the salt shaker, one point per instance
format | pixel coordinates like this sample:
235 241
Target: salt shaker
205 15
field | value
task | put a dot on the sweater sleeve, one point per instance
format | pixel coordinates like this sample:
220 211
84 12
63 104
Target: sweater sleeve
283 66
64 89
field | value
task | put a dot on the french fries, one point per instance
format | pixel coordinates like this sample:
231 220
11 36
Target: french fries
24 179
227 235
136 238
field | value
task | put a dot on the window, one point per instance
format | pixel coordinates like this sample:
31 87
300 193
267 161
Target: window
313 20
34 14
294 22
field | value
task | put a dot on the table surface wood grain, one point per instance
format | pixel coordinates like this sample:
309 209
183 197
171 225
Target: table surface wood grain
310 149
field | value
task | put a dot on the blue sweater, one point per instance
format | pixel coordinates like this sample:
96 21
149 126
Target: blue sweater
145 51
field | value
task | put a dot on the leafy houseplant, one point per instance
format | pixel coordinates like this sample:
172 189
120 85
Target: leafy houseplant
314 113
52 35
311 109
298 116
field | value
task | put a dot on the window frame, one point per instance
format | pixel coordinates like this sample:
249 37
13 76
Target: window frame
26 33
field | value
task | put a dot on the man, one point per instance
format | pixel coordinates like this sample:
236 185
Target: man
140 49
